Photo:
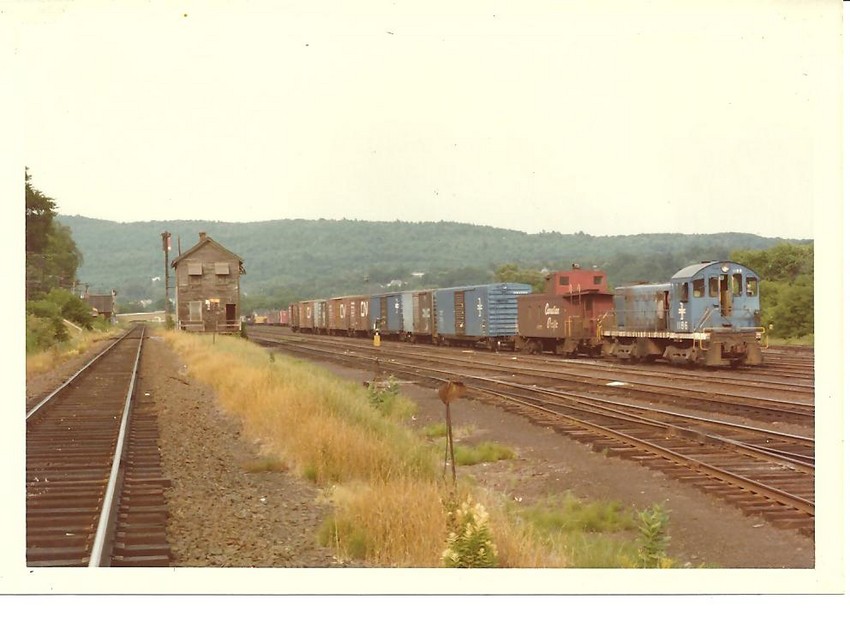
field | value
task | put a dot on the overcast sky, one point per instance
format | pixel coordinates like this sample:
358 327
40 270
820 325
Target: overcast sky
607 118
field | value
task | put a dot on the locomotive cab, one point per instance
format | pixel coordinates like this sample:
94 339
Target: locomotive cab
708 314
713 295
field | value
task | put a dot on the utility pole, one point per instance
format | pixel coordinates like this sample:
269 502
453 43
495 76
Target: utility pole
166 246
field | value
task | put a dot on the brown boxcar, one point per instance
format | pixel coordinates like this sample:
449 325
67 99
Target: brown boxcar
312 316
349 316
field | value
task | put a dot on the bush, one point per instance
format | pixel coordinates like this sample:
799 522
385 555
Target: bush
44 325
42 332
470 543
71 307
652 552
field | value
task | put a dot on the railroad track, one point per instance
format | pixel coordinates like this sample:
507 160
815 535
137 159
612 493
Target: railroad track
94 486
760 471
740 395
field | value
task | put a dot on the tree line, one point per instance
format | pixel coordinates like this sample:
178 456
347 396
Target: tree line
294 259
51 263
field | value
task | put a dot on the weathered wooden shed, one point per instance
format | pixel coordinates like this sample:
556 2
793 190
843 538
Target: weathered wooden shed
207 291
102 305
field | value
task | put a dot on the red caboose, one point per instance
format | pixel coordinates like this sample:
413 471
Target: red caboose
565 319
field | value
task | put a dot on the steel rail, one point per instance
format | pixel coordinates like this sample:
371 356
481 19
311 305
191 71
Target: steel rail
792 409
708 469
68 381
608 408
110 498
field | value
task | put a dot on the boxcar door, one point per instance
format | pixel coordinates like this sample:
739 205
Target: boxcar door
460 313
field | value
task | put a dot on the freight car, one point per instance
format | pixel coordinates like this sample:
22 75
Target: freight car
707 314
566 318
348 316
480 314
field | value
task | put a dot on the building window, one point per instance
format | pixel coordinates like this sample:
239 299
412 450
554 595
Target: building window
195 310
195 268
222 268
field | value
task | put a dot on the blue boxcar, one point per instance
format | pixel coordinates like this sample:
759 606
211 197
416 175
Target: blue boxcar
417 315
387 314
478 314
707 314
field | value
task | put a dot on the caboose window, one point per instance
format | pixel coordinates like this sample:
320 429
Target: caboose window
713 286
737 284
564 280
699 288
597 280
752 286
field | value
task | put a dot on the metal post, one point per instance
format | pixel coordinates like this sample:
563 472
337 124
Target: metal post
166 245
448 392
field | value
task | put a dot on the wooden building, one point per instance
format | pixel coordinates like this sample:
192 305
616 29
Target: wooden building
207 290
102 305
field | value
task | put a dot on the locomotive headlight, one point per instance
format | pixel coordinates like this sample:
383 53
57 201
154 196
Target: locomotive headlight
724 268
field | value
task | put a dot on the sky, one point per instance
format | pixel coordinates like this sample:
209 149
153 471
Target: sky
602 117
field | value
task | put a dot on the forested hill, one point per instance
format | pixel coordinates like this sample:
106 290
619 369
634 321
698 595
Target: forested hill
291 259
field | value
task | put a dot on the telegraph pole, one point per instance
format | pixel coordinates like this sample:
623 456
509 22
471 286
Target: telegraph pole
166 246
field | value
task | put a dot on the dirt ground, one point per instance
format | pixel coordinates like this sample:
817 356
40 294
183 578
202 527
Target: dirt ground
223 513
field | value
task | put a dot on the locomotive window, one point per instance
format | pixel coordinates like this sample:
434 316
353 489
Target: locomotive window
699 288
752 286
713 286
683 292
737 283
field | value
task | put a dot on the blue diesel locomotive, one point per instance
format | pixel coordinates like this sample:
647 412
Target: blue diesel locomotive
707 314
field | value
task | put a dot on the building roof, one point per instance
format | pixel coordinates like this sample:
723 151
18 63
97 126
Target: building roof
204 240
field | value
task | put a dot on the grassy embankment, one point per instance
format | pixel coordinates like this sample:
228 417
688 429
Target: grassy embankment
79 342
392 501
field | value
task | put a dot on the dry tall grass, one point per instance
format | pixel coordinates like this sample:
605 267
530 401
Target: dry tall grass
79 342
385 482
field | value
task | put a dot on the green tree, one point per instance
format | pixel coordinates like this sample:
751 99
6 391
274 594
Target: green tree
52 256
40 212
787 287
512 273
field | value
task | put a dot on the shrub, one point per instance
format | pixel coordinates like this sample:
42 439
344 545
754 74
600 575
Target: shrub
654 539
42 332
46 323
70 307
470 543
